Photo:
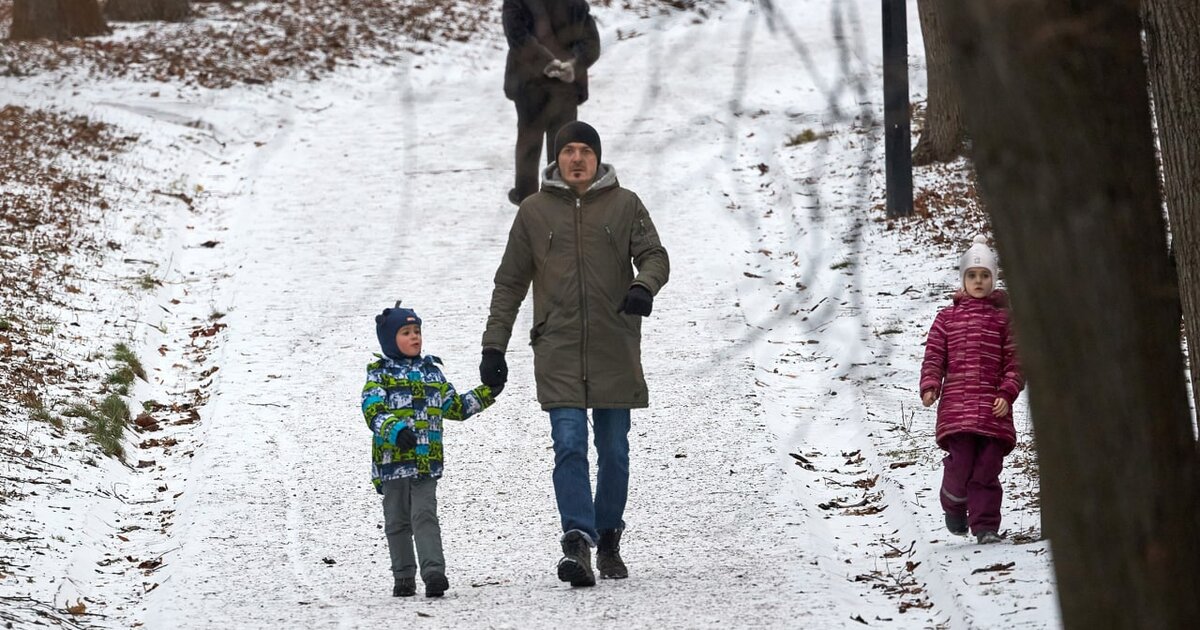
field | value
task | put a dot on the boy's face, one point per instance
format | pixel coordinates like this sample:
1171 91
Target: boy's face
408 340
978 282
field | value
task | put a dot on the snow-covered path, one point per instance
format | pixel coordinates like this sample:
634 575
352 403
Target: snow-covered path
398 193
786 328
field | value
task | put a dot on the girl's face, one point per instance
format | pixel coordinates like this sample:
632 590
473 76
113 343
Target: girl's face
408 340
978 282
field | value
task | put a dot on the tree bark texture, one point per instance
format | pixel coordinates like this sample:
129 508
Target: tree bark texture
1055 99
147 10
943 136
56 19
1173 55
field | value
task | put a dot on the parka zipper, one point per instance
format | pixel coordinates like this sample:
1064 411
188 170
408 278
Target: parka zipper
612 240
549 246
582 293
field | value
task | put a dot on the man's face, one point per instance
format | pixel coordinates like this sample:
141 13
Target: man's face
408 340
978 282
577 163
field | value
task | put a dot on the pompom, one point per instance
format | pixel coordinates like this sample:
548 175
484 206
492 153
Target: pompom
979 238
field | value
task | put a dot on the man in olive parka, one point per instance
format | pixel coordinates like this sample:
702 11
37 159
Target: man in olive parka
577 241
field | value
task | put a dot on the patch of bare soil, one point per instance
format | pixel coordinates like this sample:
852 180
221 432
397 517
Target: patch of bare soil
947 209
44 195
224 44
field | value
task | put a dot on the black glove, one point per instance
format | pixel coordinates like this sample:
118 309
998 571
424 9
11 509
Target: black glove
637 302
493 370
496 389
405 440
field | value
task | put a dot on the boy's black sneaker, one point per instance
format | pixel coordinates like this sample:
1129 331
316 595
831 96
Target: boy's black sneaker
608 556
405 587
436 585
576 564
956 524
987 538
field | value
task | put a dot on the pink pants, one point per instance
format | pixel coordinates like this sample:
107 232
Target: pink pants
971 480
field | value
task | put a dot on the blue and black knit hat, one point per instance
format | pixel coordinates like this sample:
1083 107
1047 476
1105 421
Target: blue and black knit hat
388 323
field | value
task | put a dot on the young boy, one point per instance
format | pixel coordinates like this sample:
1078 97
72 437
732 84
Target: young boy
405 400
971 366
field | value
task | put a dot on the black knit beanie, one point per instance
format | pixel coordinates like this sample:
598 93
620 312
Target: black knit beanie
577 131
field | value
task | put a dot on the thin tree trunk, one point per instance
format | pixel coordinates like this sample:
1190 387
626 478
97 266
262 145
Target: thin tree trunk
1173 51
147 10
56 19
1054 95
942 138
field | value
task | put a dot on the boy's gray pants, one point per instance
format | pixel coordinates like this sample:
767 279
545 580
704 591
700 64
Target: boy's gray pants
410 513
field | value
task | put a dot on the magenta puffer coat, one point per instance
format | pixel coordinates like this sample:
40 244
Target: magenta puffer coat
970 360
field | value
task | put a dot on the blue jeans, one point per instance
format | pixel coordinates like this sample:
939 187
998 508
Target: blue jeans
572 485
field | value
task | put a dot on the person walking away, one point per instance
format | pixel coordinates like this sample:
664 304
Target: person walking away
551 45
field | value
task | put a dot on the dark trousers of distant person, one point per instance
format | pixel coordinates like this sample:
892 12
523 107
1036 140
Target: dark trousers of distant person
971 480
542 107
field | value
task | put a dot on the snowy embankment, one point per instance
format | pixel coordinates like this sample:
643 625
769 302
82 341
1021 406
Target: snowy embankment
784 476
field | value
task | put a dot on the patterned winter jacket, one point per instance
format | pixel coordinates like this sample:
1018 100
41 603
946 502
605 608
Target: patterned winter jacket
412 393
970 359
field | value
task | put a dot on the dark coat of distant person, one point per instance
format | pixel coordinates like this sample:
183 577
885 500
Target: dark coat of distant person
542 31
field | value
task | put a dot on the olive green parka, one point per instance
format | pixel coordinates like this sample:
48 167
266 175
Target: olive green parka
579 253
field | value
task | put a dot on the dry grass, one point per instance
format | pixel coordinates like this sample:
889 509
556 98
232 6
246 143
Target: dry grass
46 194
947 209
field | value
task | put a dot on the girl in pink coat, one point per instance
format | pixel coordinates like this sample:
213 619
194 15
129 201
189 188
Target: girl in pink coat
971 368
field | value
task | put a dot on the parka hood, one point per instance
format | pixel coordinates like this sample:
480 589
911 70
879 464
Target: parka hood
606 177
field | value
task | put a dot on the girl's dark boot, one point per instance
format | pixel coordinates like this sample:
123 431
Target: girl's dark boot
608 555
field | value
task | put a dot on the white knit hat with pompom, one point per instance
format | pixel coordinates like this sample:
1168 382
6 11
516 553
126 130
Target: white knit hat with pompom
977 255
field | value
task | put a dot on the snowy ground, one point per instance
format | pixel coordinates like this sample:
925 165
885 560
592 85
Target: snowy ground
782 357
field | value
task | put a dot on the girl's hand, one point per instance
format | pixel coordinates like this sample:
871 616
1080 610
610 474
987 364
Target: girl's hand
1000 407
929 397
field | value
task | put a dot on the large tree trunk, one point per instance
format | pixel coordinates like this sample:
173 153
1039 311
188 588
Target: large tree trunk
147 10
1055 99
56 19
1173 51
942 138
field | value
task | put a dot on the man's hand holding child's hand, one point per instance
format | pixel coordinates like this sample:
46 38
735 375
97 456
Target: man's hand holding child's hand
1000 407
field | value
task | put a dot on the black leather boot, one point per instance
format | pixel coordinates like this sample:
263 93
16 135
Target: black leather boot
608 555
576 564
436 585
